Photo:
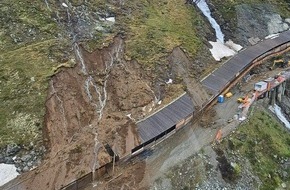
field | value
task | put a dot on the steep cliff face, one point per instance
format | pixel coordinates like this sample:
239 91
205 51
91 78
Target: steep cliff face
241 20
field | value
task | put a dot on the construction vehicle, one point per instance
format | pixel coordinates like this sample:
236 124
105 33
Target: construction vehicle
243 99
240 100
228 95
280 63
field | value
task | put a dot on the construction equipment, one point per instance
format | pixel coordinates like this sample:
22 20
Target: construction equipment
229 94
240 100
280 63
243 99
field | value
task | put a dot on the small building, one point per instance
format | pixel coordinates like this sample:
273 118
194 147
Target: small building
260 86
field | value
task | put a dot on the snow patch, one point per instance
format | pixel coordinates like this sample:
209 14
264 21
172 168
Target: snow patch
233 46
242 118
111 19
169 81
272 36
64 5
8 172
277 111
220 50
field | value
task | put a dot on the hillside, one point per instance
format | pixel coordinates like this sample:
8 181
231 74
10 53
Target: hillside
77 75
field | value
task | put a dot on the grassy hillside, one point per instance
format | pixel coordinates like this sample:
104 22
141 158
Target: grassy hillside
27 33
266 144
156 27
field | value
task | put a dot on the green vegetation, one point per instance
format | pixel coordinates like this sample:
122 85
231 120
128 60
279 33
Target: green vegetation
264 142
29 53
24 78
156 27
24 22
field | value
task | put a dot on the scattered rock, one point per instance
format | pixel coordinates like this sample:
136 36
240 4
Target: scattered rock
29 164
12 149
275 24
287 20
9 160
26 158
25 169
2 158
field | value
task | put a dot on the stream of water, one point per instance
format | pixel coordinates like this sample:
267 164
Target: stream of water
202 5
278 112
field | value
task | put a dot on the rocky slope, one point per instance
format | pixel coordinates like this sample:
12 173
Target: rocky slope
241 20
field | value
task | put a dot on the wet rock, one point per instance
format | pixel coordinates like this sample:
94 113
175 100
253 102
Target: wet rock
275 24
29 164
32 153
2 158
287 20
9 160
18 170
258 21
26 158
25 169
12 149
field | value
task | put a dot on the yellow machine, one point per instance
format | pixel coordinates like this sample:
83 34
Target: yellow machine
280 63
243 99
228 95
240 100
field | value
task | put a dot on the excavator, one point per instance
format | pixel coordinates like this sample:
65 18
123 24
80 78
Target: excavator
281 63
243 99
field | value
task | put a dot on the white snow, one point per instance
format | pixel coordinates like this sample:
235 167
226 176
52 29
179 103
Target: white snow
277 110
272 36
220 50
65 5
169 81
233 46
111 19
242 118
7 173
206 11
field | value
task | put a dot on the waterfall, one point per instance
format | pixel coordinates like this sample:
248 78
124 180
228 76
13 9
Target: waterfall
80 58
219 48
101 94
277 110
202 5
